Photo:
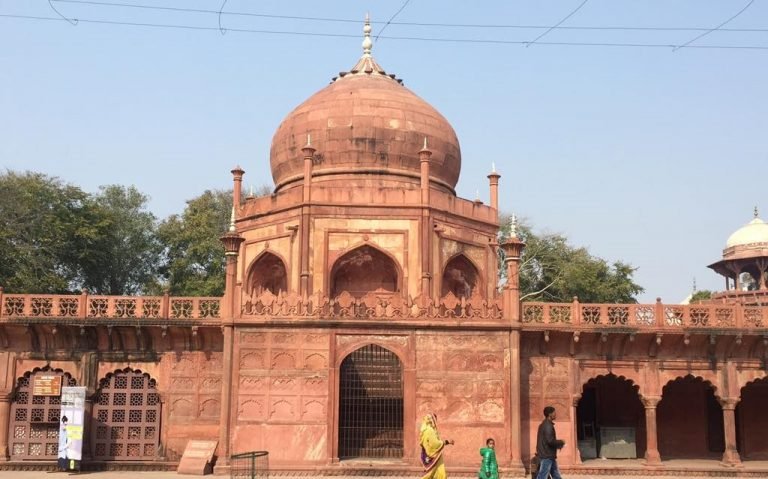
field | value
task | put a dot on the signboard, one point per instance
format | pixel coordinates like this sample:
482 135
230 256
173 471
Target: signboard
46 385
197 458
71 426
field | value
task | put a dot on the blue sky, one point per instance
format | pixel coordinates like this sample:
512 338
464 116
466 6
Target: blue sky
648 155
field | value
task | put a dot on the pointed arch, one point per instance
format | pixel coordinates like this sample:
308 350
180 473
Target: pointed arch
267 272
365 269
126 417
462 277
690 419
33 432
751 420
608 405
371 404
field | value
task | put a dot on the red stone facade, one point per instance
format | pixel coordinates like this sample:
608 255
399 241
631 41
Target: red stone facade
362 285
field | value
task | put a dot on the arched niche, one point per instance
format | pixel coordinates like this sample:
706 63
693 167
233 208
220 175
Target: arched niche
126 417
267 273
461 277
362 270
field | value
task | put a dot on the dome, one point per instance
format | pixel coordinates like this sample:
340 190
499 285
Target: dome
756 231
365 126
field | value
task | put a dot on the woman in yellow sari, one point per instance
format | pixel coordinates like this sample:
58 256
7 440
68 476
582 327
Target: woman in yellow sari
432 448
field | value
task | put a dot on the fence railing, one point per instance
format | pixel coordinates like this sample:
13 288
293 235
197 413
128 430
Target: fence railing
250 465
644 316
84 306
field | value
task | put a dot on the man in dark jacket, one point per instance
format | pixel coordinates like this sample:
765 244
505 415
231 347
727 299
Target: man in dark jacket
547 445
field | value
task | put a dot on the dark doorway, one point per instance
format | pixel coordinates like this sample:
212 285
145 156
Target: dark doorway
371 404
610 419
690 421
752 421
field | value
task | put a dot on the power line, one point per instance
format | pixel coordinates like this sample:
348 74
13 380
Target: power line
558 23
392 18
403 38
414 24
717 27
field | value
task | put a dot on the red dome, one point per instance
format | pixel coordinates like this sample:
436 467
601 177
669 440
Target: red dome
366 126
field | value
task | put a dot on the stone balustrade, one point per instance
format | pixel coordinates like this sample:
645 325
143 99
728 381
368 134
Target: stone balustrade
644 317
88 307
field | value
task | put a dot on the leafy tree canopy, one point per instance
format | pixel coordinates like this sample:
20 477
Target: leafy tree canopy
194 262
125 258
553 270
46 228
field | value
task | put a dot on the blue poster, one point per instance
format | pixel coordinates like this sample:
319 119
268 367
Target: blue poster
71 427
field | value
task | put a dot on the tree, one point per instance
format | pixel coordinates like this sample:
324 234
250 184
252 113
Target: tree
46 228
194 262
125 259
700 295
553 270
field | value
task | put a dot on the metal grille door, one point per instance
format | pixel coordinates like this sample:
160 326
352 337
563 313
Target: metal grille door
126 418
371 404
34 424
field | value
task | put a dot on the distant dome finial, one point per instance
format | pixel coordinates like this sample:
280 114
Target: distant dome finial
367 42
756 213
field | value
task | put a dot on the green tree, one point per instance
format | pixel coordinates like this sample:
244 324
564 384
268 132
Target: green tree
553 270
125 259
700 295
46 228
194 260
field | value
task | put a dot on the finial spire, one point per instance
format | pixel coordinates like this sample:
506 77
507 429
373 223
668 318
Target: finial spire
493 166
694 284
513 226
425 142
367 42
309 139
250 191
756 213
232 228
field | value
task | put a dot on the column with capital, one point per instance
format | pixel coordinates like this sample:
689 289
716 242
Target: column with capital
513 249
731 454
652 456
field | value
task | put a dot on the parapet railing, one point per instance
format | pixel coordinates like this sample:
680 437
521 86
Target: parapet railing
373 305
651 317
85 306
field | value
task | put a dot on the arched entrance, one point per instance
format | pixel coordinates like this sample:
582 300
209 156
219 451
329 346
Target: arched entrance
34 423
362 270
690 420
371 404
126 417
267 274
610 419
752 421
460 277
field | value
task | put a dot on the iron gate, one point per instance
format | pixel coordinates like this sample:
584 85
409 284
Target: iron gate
126 417
34 424
371 404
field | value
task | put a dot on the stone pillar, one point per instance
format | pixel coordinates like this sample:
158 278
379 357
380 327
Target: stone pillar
5 417
516 453
513 248
232 241
574 429
237 176
731 455
652 456
493 180
426 234
304 283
